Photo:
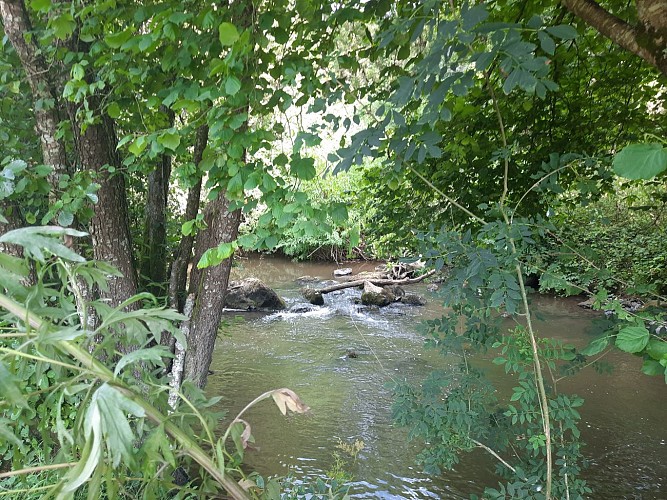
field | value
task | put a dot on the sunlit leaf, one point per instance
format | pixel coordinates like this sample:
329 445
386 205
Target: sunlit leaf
228 34
286 399
641 161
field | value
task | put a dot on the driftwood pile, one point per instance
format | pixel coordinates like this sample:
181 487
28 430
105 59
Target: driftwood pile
380 288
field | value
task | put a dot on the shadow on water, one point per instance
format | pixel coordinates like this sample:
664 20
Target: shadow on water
623 418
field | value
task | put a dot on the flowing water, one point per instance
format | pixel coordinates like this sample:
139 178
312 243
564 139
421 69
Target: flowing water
624 418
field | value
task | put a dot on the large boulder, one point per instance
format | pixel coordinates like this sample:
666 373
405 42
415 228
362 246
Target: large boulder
251 294
376 296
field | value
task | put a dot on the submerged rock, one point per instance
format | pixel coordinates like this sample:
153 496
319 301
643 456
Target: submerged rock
307 279
412 299
251 294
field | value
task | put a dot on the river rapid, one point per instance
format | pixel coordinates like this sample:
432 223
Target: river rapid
624 417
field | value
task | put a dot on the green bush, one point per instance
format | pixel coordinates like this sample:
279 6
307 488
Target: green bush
617 243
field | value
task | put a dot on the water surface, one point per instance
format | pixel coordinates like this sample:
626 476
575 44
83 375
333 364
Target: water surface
623 419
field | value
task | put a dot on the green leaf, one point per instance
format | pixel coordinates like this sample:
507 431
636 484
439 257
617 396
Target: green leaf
632 339
38 238
65 218
546 42
339 213
228 34
41 5
169 140
304 168
10 389
657 348
63 25
8 436
596 347
563 31
235 184
641 161
151 355
138 145
113 110
232 85
651 367
116 40
114 408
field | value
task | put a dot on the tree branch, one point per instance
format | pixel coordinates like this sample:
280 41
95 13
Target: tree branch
623 33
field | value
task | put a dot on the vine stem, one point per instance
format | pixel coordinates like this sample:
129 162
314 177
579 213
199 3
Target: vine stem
544 404
30 470
190 447
492 452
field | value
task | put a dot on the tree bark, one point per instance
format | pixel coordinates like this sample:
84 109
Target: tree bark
109 227
648 39
153 270
17 26
210 287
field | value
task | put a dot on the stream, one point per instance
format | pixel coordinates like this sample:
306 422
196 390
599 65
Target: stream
624 417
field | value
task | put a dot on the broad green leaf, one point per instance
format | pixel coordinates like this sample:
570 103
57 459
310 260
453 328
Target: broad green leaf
232 85
304 168
641 161
113 110
78 72
235 184
228 34
651 367
657 348
339 213
169 140
151 355
632 339
63 25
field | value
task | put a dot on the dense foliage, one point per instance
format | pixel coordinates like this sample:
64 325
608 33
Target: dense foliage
489 137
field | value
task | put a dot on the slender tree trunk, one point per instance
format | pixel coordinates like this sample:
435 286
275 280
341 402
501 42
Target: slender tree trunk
154 266
210 288
179 268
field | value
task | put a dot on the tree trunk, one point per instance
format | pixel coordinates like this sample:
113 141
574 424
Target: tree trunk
16 26
179 268
109 227
648 39
210 287
153 271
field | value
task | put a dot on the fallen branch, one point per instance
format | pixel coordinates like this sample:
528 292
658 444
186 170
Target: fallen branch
376 282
